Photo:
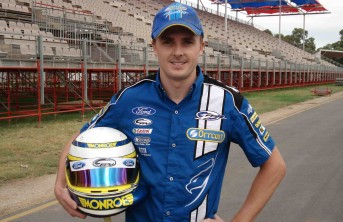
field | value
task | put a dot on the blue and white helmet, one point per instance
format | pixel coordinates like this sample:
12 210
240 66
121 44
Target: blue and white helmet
102 172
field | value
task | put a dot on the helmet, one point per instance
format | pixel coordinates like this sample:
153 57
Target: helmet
102 172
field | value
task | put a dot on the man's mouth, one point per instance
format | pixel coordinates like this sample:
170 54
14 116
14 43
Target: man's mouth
177 63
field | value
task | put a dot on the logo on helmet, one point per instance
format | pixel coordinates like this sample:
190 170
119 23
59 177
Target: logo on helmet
78 165
129 163
106 204
104 162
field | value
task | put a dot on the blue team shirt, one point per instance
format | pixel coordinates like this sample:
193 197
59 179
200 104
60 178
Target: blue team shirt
183 148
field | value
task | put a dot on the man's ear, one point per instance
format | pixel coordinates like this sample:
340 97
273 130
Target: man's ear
202 47
153 43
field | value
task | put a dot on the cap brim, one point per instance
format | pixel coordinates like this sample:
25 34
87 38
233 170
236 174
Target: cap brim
155 34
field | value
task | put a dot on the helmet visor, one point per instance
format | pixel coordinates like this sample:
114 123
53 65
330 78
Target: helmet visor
102 172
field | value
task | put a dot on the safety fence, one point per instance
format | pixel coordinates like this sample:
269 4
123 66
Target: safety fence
43 83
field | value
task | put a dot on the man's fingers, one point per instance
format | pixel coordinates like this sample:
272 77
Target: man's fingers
69 204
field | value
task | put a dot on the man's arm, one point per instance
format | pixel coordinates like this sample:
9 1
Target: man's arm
61 190
265 183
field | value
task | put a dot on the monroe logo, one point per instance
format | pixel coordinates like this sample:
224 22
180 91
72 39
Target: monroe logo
142 122
206 135
143 111
104 162
108 203
101 145
141 131
78 165
209 115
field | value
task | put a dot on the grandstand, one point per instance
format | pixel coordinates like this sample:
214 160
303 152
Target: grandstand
72 55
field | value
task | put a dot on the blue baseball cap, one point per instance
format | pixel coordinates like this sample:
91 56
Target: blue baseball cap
176 14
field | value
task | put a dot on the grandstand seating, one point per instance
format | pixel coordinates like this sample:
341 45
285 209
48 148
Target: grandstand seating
127 22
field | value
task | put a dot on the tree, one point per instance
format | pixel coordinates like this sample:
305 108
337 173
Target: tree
268 31
336 46
297 39
310 46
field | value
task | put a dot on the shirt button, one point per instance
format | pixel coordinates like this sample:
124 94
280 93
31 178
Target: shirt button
176 112
173 145
167 213
171 178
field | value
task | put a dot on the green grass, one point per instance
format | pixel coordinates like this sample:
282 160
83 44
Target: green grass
30 151
265 101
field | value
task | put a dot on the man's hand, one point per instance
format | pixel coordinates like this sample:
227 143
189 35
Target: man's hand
61 190
216 219
63 196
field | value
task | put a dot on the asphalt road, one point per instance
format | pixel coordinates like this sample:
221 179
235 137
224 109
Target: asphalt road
311 143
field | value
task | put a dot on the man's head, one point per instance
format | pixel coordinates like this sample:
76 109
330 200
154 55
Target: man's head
177 42
176 14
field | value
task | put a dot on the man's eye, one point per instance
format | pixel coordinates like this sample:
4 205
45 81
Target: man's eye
189 42
166 42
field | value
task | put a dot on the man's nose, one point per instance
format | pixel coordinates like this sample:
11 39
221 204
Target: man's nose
178 50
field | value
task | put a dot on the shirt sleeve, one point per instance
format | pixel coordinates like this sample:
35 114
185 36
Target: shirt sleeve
249 132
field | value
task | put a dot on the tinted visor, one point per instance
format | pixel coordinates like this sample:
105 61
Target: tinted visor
96 173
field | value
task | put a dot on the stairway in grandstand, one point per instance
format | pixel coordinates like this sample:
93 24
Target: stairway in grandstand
63 23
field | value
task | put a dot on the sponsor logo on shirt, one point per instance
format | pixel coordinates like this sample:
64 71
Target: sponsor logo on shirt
143 111
209 115
216 136
140 140
142 122
255 120
141 131
143 151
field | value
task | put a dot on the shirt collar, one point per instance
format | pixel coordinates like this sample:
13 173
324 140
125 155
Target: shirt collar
196 85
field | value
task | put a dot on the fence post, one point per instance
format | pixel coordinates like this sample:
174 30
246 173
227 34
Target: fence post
267 72
241 78
231 71
273 82
219 67
291 73
259 74
146 60
204 62
41 67
41 79
118 47
251 73
9 96
85 69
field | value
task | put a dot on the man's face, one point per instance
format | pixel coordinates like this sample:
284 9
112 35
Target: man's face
177 50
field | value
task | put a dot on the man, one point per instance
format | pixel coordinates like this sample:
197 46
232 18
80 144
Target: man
191 120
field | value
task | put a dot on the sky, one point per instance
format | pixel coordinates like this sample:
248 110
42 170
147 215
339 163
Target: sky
324 28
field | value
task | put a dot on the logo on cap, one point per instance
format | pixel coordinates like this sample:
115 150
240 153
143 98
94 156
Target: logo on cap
175 11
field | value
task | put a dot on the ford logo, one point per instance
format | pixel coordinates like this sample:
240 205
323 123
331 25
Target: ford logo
143 111
142 122
104 162
129 163
78 165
